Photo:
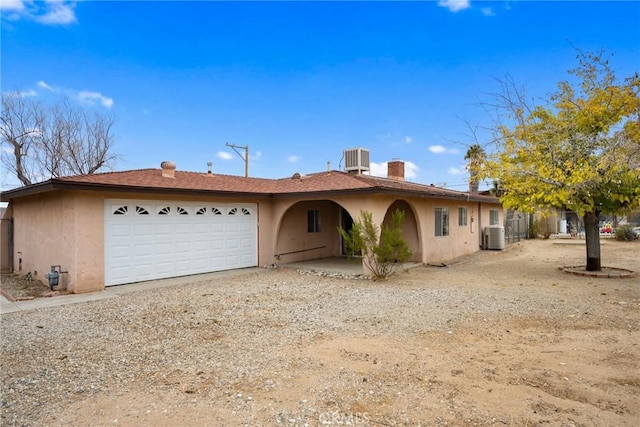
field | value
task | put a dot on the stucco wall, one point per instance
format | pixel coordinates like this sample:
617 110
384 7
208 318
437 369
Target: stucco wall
43 236
419 229
67 229
295 243
5 240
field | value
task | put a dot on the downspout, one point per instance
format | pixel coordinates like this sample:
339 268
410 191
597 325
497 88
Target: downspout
480 228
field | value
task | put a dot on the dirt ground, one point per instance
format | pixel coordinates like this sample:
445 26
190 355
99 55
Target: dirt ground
567 353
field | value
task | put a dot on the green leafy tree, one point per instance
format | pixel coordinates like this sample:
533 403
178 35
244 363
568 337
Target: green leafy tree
382 250
580 151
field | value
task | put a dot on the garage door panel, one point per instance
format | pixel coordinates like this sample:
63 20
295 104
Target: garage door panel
119 230
147 240
232 244
216 244
216 227
201 227
183 267
143 250
121 273
164 268
163 229
200 246
143 230
217 262
200 263
163 249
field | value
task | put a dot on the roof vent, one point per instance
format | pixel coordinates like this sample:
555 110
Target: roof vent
168 169
356 160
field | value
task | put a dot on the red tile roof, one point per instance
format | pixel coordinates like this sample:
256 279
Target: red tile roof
151 180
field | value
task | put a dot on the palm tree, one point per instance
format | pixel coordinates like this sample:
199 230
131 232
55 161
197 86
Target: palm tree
476 157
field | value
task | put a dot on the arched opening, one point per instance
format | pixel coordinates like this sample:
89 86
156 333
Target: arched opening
410 231
309 230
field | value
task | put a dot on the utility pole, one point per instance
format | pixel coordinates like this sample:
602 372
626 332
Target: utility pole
245 158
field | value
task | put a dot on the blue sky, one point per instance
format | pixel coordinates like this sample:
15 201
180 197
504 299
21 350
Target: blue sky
299 82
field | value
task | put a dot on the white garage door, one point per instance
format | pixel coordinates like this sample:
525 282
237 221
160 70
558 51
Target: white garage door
147 240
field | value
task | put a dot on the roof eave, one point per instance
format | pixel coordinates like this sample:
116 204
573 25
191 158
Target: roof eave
385 190
58 184
53 185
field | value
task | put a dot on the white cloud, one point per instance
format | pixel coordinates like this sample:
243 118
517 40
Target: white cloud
487 11
408 139
91 98
455 171
58 13
410 170
12 5
224 155
378 169
455 5
256 156
381 169
44 85
439 149
48 12
28 93
293 159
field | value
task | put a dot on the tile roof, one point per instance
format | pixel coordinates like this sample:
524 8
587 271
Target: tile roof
151 180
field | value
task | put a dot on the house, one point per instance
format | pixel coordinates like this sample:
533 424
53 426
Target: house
122 227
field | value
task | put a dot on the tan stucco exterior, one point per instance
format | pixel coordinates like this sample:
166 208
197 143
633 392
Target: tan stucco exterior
66 228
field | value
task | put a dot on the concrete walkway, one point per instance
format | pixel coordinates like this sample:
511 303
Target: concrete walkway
7 306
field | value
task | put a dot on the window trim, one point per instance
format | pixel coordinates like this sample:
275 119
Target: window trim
462 216
492 220
314 221
442 220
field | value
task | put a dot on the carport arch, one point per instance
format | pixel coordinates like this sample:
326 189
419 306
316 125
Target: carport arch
294 240
410 227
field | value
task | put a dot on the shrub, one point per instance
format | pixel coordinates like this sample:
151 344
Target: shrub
626 232
380 254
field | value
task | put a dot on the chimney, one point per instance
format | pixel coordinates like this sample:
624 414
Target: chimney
395 170
168 169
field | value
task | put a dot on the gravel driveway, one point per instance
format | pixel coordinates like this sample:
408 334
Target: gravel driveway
498 338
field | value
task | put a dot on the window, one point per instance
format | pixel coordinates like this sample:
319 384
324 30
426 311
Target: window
313 221
462 216
141 211
122 210
442 222
494 217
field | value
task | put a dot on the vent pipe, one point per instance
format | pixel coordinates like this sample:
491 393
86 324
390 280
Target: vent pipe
168 169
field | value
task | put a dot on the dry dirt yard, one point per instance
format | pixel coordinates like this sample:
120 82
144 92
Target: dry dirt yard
496 338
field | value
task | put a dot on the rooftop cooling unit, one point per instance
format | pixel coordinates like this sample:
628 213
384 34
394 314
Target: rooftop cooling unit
494 237
356 160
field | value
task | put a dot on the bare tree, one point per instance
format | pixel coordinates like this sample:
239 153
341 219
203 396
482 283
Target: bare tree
52 141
